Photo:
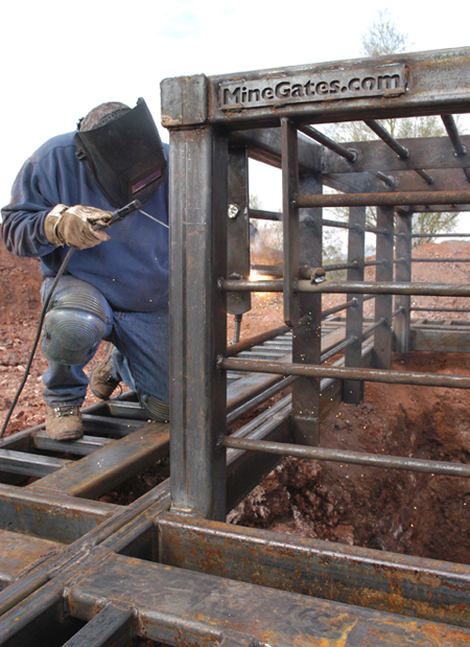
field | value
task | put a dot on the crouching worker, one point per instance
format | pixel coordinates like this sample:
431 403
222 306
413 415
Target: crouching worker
115 286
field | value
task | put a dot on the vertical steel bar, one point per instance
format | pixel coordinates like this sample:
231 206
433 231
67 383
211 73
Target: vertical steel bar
353 390
383 303
238 228
306 341
198 211
402 322
290 189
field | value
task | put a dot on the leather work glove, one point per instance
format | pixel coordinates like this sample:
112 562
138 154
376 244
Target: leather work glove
74 226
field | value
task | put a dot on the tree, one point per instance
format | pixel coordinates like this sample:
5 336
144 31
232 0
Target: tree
383 38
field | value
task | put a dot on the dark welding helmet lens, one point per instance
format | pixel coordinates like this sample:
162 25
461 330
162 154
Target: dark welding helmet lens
124 156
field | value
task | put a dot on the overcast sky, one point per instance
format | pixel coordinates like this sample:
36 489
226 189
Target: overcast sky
60 59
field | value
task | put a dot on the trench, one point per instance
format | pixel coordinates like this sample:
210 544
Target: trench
405 512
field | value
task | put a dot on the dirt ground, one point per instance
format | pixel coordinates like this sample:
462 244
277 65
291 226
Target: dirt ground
417 514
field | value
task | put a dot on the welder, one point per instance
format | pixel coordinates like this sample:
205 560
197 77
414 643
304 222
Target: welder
115 286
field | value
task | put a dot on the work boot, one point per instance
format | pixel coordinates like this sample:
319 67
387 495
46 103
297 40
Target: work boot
102 382
64 422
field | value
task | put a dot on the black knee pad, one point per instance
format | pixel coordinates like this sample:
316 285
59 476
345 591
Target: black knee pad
158 410
73 328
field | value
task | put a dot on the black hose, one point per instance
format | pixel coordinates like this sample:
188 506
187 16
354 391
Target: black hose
36 339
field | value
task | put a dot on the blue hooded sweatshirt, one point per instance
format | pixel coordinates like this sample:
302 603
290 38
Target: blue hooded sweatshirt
130 269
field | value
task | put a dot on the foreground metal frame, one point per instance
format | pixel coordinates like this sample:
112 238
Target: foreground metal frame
77 570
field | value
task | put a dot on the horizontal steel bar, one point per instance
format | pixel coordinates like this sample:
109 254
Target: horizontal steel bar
334 267
451 128
29 464
449 235
423 174
367 332
438 260
259 399
82 447
440 309
352 287
260 214
402 152
349 457
335 223
382 199
348 154
234 349
378 232
352 303
337 348
387 179
373 263
366 375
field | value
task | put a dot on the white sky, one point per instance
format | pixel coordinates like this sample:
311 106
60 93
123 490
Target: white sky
59 59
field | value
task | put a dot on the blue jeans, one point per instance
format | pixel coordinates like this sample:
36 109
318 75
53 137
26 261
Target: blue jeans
140 358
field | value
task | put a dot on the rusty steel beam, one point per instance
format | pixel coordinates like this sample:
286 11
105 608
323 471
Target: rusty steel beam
400 85
179 606
59 518
402 584
97 473
19 552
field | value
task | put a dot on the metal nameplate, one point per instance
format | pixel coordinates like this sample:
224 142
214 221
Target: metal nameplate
307 88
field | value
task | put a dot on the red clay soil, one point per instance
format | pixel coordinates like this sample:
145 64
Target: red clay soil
404 512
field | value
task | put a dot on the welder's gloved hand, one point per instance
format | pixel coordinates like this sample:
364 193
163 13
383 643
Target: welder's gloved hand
74 226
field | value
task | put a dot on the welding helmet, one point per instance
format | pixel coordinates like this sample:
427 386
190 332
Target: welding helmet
123 153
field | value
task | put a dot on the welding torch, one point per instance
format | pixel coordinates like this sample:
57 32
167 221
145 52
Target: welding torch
119 214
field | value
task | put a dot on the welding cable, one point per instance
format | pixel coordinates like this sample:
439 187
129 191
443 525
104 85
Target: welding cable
115 217
36 339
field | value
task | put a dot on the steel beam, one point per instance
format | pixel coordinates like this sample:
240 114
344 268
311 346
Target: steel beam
55 517
238 228
402 584
97 473
383 303
353 391
111 627
400 85
177 606
198 213
307 342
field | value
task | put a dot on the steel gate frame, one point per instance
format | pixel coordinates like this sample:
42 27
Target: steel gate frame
167 566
